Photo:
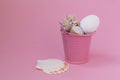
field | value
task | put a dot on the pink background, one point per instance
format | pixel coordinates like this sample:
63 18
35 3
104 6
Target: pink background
29 30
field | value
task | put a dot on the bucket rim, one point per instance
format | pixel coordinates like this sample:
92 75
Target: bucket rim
72 34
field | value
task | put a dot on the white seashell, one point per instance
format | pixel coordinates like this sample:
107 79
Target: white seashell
77 30
90 23
52 66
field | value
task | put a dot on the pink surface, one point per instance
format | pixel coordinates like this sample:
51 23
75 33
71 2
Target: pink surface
29 30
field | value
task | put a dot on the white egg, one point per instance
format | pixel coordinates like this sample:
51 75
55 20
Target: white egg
90 23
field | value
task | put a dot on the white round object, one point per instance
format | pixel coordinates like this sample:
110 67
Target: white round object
90 23
52 66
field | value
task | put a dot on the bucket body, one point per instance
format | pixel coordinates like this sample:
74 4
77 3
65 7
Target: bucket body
76 47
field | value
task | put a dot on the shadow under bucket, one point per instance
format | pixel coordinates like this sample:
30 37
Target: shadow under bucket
76 47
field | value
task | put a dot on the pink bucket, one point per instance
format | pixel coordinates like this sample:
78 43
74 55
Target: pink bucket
76 47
